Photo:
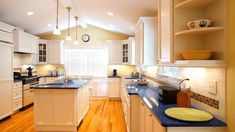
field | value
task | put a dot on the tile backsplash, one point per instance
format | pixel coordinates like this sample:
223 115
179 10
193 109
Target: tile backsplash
200 85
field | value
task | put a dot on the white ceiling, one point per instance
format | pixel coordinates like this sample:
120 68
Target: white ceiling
93 12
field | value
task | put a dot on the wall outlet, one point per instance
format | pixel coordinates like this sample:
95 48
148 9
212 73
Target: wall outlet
212 87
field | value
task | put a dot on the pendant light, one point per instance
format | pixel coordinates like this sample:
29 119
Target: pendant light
68 37
76 41
57 30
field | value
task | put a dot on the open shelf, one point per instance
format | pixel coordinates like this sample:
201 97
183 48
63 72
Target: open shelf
193 4
206 63
200 31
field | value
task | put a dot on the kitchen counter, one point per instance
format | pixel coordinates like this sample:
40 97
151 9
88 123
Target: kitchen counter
60 84
150 97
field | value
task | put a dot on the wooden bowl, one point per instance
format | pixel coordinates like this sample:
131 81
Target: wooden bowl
197 55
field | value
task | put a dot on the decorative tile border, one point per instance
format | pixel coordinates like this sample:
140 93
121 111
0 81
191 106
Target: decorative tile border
206 100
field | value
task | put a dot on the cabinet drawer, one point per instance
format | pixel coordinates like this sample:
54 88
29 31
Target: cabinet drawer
17 104
17 85
17 93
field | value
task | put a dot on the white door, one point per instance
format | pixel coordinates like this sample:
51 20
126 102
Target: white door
6 80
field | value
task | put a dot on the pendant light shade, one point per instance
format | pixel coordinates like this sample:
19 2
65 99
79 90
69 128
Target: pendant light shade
76 40
57 30
68 37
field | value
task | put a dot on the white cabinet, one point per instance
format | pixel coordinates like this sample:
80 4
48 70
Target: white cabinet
60 109
165 28
42 52
146 41
24 42
50 52
6 32
100 88
17 96
128 51
114 87
55 52
115 52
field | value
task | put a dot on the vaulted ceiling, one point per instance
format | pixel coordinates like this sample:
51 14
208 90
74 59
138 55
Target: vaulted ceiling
91 12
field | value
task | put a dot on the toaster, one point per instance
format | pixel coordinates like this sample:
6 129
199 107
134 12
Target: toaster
167 94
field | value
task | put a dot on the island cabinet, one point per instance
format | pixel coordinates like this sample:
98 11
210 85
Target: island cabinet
59 109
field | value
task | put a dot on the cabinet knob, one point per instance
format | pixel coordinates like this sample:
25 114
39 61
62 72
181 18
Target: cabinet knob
150 115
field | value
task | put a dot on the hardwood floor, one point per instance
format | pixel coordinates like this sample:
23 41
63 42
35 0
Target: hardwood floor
103 116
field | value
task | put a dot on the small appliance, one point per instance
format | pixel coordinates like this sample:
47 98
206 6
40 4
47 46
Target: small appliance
167 94
30 71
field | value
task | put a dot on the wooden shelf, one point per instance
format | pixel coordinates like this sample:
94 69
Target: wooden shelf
200 31
193 4
199 63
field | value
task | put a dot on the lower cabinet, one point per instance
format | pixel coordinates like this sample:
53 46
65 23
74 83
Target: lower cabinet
114 87
140 117
104 88
17 96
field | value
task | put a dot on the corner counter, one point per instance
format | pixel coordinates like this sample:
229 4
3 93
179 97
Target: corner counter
149 96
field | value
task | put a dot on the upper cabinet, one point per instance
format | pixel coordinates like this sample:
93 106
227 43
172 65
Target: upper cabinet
55 52
6 32
24 42
50 52
128 51
165 29
191 30
146 41
115 52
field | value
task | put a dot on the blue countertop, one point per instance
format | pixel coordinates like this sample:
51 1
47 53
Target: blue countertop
60 84
150 97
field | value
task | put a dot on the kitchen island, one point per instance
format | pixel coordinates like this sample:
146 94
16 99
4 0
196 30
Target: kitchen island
61 105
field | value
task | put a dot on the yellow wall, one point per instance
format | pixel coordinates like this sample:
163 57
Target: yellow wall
97 35
231 67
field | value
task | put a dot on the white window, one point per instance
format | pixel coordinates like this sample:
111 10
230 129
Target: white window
86 60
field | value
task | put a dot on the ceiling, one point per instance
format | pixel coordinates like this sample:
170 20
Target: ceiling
91 12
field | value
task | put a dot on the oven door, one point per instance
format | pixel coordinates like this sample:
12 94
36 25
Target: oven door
28 97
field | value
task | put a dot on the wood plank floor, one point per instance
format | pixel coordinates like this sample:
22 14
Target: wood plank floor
103 116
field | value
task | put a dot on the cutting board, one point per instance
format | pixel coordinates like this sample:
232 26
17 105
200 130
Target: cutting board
188 114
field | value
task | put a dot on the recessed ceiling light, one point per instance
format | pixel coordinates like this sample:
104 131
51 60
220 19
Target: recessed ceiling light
49 25
132 28
110 13
30 13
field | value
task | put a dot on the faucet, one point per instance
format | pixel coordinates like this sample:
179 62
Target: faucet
62 67
182 82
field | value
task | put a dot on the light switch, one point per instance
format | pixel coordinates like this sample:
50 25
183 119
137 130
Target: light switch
212 87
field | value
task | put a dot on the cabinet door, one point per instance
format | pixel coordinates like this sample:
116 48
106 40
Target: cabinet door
55 52
148 121
165 26
141 116
139 43
115 52
157 127
101 89
114 90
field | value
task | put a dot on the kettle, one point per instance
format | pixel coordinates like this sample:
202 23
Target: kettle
30 71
